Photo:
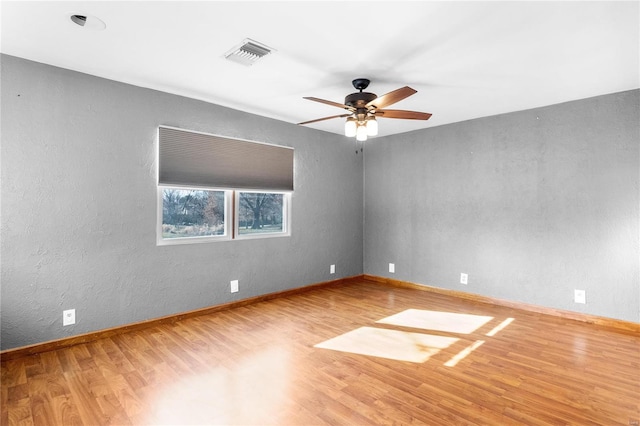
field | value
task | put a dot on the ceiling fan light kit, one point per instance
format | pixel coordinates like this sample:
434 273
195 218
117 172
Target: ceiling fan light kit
361 133
372 125
350 127
363 108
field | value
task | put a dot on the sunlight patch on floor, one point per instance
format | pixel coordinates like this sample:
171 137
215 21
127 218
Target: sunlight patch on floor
449 322
500 326
390 344
463 353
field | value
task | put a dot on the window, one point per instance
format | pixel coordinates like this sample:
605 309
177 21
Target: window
261 214
213 188
194 215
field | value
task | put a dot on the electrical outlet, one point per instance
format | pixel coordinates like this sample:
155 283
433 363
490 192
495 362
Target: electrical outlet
392 268
234 286
332 269
464 278
580 296
68 317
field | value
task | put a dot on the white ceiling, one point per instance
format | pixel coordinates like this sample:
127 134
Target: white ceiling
465 59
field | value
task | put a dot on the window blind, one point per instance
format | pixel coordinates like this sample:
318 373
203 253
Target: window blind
193 159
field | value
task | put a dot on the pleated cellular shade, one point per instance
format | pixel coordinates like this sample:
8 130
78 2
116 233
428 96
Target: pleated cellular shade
195 159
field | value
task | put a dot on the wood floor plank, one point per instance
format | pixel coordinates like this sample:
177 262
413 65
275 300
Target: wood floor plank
114 412
88 408
261 364
126 396
65 411
14 372
19 412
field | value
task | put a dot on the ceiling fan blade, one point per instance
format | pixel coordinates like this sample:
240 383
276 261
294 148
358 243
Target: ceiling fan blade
398 113
323 101
392 97
325 118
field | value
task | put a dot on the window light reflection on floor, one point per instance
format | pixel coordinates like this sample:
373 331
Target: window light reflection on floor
450 322
500 326
390 344
411 346
463 354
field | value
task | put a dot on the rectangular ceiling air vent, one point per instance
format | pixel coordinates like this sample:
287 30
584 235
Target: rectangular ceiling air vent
248 52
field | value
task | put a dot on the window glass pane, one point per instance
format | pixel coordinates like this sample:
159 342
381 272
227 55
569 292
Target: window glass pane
192 213
260 213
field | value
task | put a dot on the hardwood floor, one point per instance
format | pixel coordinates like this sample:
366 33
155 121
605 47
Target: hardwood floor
358 354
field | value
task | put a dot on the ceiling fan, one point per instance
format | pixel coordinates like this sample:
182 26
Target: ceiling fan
364 107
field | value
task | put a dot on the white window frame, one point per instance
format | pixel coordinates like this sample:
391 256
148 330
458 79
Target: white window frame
286 216
231 217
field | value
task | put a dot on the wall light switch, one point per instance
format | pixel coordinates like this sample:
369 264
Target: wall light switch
332 269
392 268
234 286
580 296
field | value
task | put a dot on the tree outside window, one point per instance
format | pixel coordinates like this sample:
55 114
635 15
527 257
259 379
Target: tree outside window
192 213
260 212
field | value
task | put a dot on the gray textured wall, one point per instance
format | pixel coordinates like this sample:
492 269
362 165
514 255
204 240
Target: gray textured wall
79 207
532 205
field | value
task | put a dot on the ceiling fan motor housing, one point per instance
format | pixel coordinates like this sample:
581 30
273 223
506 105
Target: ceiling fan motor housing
359 99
